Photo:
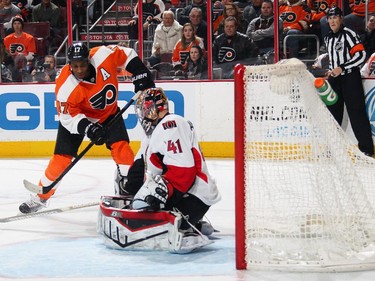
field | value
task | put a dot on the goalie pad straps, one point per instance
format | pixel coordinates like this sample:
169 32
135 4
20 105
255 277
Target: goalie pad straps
153 194
184 242
120 179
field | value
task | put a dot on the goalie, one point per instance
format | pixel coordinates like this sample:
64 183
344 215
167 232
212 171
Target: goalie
169 172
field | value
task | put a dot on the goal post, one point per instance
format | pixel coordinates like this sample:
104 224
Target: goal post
305 194
239 148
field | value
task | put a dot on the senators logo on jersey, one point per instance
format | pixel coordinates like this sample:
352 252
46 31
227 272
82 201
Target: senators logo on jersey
169 124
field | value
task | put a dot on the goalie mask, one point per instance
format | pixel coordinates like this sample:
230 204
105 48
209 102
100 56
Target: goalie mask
147 107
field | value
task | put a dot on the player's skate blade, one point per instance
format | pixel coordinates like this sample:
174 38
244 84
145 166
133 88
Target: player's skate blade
32 205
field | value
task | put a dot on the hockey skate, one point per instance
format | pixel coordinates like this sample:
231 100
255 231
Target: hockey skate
34 204
187 242
205 228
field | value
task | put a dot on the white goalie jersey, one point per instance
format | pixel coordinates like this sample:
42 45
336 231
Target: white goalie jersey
173 151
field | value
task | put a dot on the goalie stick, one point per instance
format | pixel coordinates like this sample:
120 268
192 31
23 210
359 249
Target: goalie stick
47 212
45 189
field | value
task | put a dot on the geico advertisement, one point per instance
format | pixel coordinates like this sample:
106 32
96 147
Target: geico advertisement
28 112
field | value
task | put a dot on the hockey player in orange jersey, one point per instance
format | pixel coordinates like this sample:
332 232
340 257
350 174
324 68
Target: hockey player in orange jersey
86 96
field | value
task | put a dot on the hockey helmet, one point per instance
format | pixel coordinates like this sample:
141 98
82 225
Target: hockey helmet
335 11
78 52
147 107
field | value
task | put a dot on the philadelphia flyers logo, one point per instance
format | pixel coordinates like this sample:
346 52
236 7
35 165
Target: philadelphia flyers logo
183 56
106 96
16 48
321 6
227 54
289 17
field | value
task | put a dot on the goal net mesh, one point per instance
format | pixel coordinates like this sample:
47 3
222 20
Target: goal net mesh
307 192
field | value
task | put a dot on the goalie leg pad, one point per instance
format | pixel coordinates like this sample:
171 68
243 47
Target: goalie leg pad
127 229
123 228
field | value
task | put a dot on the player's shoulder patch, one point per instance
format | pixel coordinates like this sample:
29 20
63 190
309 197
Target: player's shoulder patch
169 124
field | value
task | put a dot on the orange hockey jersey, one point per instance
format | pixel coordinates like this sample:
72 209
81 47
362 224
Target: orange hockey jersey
358 7
20 45
180 55
296 16
319 7
95 100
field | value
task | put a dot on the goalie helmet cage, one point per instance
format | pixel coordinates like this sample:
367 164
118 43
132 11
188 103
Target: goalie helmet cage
304 192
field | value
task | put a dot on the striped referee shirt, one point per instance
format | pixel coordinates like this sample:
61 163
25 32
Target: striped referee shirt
345 50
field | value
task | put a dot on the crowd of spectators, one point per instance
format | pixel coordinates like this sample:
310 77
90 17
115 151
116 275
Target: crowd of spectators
250 31
22 58
243 30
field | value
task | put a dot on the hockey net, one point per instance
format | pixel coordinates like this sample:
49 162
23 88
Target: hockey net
305 194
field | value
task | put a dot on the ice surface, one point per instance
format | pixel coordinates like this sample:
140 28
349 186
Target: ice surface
65 246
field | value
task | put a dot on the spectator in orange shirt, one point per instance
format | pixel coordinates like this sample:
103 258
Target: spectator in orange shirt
20 42
319 23
182 48
296 16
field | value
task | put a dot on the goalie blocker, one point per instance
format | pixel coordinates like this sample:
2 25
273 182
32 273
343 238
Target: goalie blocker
123 228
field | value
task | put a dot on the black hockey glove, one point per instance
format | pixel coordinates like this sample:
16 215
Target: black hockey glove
96 133
142 78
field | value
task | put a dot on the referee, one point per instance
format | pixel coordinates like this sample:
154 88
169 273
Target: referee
346 55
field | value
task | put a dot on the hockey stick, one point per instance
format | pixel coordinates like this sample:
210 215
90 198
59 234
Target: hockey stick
45 189
48 212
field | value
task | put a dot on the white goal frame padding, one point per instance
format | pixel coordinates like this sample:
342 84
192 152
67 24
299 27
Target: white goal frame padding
305 194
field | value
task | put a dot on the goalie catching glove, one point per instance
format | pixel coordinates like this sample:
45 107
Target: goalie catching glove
96 133
153 194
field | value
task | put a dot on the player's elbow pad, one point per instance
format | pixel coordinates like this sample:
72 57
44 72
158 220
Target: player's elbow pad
141 75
